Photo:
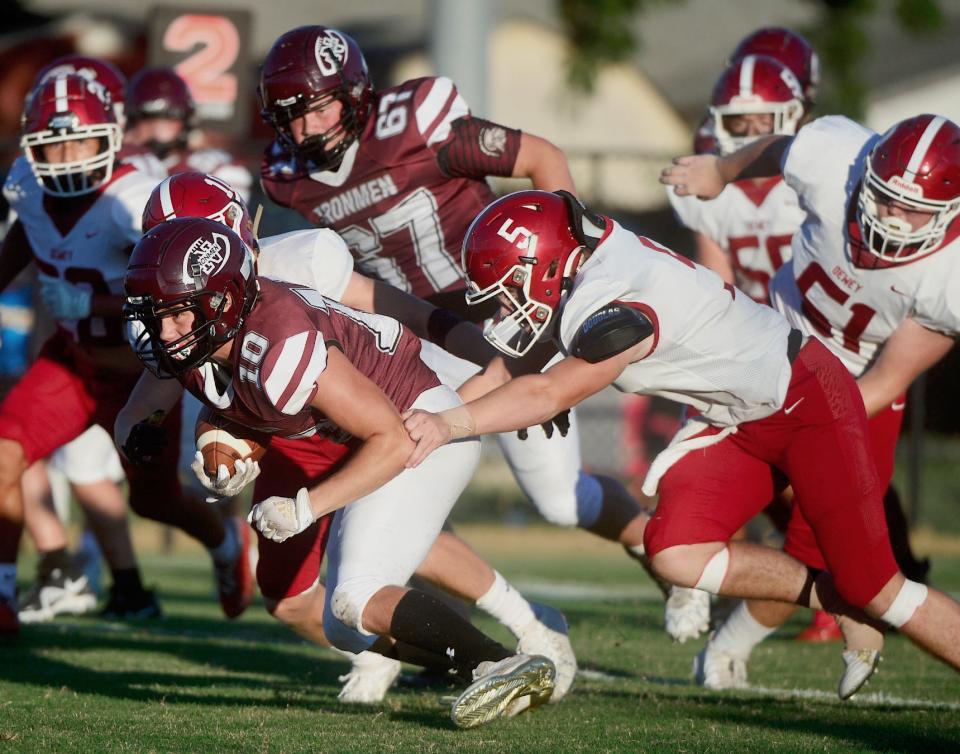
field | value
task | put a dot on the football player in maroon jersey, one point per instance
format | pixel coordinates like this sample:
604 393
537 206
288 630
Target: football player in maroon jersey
77 217
280 359
400 173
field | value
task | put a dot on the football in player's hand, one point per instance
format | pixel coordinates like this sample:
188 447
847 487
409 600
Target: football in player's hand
222 441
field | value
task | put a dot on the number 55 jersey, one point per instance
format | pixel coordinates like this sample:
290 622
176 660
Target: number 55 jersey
407 190
834 288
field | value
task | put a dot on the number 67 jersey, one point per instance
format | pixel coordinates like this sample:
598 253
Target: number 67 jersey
406 191
833 287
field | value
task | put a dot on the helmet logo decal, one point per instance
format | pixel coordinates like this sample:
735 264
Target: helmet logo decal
206 256
517 232
331 52
905 186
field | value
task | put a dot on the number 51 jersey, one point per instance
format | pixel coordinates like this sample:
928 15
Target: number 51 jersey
822 290
402 216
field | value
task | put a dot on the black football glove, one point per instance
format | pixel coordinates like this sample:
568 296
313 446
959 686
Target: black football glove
561 421
146 441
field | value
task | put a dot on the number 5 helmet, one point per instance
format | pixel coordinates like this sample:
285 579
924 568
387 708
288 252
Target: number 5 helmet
917 165
70 108
194 194
189 264
307 68
755 84
524 249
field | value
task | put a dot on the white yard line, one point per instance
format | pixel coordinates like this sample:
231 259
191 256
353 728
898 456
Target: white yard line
878 698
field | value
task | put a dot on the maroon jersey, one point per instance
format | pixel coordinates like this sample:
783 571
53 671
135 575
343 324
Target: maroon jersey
281 350
407 190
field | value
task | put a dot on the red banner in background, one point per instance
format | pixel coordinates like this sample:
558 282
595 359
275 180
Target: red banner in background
209 51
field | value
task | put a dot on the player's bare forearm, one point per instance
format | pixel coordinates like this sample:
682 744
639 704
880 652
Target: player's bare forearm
381 457
544 164
758 159
908 353
706 175
493 376
149 395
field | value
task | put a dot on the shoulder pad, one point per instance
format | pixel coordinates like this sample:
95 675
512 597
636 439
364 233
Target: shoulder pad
610 330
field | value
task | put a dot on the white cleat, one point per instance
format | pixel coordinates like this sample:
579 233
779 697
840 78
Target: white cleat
858 666
547 636
687 613
369 679
497 685
718 670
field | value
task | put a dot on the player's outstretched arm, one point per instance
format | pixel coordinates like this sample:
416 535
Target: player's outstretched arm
705 175
523 402
908 353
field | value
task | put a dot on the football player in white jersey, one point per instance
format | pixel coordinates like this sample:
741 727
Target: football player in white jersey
628 312
67 190
873 277
744 234
319 259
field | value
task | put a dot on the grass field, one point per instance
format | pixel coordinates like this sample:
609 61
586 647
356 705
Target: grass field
193 682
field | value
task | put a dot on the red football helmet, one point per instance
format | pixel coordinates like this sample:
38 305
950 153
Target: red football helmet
194 194
188 264
525 250
161 93
917 165
104 73
791 49
755 84
69 108
305 69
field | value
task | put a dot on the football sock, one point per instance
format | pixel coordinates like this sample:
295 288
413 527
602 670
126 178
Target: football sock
8 581
50 561
228 550
426 623
127 580
507 605
740 633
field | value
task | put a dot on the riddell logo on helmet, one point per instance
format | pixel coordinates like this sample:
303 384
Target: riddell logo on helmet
905 186
331 52
205 257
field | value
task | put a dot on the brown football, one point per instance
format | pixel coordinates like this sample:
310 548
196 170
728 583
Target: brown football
222 441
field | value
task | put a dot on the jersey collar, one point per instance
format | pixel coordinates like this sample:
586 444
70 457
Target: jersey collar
339 176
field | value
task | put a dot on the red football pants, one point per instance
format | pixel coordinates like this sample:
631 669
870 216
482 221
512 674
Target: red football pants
62 394
286 569
822 447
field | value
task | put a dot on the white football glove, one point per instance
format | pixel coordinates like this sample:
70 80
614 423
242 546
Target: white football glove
279 518
64 300
225 484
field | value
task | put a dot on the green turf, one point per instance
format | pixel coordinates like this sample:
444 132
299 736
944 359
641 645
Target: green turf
193 682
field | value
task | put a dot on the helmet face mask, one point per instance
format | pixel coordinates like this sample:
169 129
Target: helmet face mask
70 108
755 84
184 265
308 69
914 167
523 251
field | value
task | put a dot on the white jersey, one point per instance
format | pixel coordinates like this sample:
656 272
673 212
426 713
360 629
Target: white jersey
317 259
822 292
752 223
714 348
215 162
94 250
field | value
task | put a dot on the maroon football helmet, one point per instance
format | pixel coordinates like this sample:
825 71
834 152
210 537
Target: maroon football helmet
525 250
791 49
194 194
306 69
188 264
917 165
69 108
93 69
755 84
161 93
